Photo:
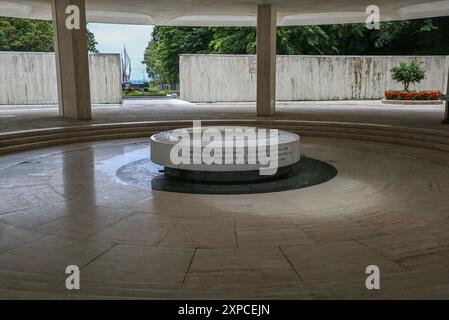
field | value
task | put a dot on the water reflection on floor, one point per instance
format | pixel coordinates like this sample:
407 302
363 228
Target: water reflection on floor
135 168
139 175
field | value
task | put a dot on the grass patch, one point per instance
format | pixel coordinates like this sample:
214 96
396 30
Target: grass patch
150 93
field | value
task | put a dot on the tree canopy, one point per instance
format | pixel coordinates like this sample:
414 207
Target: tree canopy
413 37
408 73
31 35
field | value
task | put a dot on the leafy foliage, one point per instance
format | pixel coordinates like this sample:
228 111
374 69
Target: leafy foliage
31 35
162 53
305 40
408 73
233 40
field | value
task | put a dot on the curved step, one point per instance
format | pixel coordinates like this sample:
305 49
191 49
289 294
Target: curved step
40 138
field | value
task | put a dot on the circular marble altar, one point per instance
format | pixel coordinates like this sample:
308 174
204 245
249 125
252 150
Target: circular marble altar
225 153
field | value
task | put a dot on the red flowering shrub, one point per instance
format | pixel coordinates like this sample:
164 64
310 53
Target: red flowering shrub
412 95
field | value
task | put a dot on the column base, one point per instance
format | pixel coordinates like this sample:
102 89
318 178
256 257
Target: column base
266 114
446 117
76 119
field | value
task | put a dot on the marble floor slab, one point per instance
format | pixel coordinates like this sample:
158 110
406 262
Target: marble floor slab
388 206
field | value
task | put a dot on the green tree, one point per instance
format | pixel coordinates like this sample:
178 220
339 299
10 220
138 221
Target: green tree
229 40
162 53
305 40
91 42
352 39
414 37
408 73
290 40
31 35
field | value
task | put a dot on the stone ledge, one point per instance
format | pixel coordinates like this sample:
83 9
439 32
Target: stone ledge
40 138
412 102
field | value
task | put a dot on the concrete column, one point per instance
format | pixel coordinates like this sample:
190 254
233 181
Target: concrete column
266 60
446 116
72 61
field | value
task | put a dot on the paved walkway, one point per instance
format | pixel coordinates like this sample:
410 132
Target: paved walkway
387 207
17 118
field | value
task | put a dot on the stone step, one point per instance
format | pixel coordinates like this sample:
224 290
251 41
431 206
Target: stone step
40 138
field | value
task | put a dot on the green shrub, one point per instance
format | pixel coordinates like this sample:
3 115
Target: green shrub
150 93
408 73
170 91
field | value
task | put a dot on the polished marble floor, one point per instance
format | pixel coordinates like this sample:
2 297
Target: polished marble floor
388 206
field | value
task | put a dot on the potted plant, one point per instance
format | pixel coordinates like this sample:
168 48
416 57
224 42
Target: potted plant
410 73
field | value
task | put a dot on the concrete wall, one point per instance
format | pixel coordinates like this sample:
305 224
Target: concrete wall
220 78
30 78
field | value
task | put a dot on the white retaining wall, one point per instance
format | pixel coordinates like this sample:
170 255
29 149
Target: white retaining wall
225 78
30 78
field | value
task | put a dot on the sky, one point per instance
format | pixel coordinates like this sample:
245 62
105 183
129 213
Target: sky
112 37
